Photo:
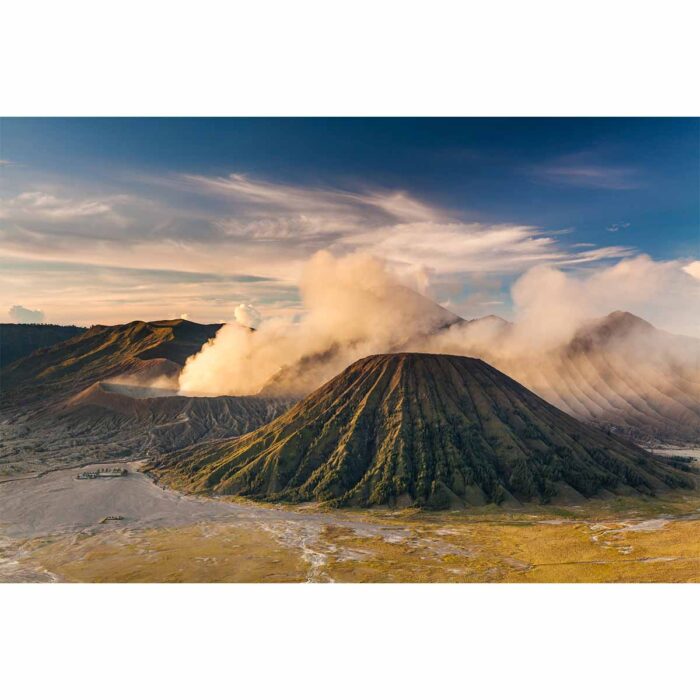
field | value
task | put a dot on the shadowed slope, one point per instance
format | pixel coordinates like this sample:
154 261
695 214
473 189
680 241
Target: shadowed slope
434 430
21 339
146 422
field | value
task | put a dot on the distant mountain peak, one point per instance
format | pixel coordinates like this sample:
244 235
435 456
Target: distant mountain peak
627 319
491 318
615 326
18 340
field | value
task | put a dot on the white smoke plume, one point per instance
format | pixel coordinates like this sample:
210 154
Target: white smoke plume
357 306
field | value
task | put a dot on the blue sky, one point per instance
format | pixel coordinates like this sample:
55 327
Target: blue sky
105 220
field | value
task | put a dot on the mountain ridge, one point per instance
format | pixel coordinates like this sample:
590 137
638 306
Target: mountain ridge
138 348
18 340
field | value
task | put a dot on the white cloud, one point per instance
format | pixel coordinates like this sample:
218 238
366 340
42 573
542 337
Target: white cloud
43 205
461 247
263 228
693 269
590 170
21 314
340 209
392 225
593 177
247 315
551 303
614 228
280 228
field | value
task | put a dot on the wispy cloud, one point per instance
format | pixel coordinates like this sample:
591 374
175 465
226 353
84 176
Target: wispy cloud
340 208
455 247
187 239
74 292
590 171
614 228
594 177
48 205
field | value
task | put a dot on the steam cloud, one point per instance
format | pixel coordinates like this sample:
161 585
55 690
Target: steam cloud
357 306
247 315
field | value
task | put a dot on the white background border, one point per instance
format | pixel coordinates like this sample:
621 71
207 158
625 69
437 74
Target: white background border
359 58
317 57
340 641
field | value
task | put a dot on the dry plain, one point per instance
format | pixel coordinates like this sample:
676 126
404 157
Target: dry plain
55 528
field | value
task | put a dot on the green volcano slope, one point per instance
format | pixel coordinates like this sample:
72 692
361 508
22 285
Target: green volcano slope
429 430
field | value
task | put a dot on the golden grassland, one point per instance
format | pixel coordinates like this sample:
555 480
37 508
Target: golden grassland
621 540
197 554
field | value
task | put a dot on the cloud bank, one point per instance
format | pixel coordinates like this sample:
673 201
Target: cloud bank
21 314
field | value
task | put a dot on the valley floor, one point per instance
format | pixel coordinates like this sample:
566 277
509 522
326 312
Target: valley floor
54 528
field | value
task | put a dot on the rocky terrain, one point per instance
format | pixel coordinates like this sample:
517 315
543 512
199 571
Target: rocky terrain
622 373
110 394
112 421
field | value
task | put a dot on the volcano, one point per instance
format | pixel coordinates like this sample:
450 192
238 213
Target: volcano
433 431
617 372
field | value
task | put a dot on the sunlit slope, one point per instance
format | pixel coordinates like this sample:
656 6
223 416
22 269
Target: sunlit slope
429 430
149 349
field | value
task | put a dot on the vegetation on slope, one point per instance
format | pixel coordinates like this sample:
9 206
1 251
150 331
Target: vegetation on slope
430 430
